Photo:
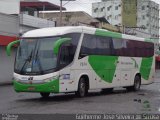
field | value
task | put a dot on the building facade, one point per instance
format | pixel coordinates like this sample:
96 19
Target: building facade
71 18
136 15
10 6
109 9
148 17
17 17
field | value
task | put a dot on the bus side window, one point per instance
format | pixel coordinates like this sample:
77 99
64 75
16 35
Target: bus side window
66 55
88 46
103 45
95 45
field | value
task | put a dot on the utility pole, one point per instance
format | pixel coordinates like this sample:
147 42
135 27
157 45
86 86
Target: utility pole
123 23
61 10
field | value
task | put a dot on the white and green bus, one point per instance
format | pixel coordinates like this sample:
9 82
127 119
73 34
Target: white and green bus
78 59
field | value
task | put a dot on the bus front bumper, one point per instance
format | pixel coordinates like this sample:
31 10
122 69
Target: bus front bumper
52 86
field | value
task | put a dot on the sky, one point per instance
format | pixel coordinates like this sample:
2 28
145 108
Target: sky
80 5
77 5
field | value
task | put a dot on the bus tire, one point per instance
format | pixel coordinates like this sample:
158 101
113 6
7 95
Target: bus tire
82 88
44 95
137 84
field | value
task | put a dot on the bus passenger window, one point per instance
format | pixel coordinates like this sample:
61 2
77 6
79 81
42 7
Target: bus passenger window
66 55
88 46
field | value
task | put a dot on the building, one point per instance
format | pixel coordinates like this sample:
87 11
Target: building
110 9
10 6
17 17
148 17
104 24
33 7
29 14
136 15
72 18
9 27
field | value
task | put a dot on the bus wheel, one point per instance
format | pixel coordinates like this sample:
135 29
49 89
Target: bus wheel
137 84
82 88
44 95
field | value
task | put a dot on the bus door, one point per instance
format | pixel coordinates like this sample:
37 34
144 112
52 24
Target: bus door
66 75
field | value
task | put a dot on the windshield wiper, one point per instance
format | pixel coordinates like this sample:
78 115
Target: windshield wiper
39 63
27 60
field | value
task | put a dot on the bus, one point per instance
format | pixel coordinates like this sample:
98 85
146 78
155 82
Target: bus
78 59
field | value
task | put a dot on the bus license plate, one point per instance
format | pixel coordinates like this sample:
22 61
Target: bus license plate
31 88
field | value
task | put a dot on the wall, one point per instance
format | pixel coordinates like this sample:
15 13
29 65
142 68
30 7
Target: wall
9 30
28 22
70 18
9 25
6 65
148 17
129 13
10 6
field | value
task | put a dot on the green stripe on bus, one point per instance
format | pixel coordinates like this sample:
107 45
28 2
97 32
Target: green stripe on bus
149 40
145 68
108 33
52 86
58 43
104 66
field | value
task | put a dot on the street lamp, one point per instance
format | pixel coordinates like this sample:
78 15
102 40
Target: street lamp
61 10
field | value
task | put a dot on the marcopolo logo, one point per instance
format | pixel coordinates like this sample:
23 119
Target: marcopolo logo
30 78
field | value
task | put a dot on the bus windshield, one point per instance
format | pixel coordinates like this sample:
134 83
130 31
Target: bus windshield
36 55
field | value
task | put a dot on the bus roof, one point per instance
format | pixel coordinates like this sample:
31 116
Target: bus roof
56 31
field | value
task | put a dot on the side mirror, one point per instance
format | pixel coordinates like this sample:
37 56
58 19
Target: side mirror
58 44
9 46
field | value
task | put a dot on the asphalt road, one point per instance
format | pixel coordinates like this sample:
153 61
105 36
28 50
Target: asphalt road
147 100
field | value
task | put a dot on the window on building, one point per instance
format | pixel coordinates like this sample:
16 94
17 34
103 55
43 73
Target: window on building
108 8
95 10
108 17
116 7
143 7
147 15
116 17
153 26
143 17
102 9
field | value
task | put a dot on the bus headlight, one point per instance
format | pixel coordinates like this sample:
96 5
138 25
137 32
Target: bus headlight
16 79
51 79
